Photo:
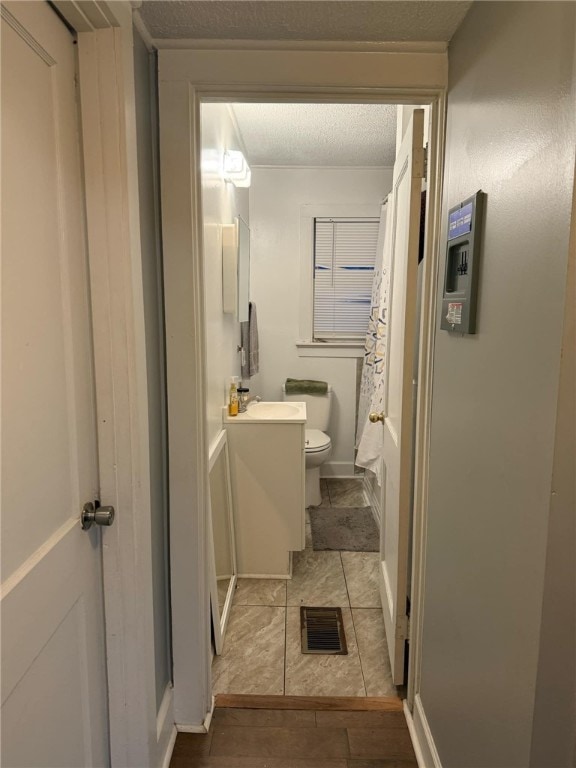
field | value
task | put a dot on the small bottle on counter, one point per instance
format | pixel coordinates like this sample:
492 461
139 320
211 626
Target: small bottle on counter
242 398
233 397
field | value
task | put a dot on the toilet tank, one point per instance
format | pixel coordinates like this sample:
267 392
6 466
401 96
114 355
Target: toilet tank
317 408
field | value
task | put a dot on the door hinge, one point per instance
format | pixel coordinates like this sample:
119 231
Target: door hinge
403 628
426 161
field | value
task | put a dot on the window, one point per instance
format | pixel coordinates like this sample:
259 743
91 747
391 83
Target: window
344 257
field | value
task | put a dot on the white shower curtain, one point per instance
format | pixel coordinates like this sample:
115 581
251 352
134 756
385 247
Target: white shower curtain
369 436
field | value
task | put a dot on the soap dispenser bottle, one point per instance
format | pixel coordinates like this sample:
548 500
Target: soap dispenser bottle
233 397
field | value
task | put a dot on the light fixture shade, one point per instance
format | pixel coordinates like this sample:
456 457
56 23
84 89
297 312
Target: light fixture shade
235 168
211 164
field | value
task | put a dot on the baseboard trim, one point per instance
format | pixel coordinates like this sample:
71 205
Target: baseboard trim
165 709
169 748
373 498
204 727
165 729
421 735
264 575
337 469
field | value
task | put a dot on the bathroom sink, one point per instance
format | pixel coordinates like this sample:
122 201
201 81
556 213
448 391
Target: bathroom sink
267 412
280 410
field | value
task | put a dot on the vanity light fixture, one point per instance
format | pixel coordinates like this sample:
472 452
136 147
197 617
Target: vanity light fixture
236 169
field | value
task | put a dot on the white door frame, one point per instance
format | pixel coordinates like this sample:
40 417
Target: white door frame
398 73
139 735
428 318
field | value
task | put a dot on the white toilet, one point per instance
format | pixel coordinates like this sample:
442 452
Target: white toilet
318 444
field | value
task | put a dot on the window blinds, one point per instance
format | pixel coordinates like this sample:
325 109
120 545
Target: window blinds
344 256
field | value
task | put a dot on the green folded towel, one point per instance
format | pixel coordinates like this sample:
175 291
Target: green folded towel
306 387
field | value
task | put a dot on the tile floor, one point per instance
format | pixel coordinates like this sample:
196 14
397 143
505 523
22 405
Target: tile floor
261 652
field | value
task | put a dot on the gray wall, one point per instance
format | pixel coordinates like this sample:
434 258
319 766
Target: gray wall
147 137
490 575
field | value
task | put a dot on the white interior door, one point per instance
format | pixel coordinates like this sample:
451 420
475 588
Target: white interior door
54 698
403 232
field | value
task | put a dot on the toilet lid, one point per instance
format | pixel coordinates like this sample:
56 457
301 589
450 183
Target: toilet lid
316 440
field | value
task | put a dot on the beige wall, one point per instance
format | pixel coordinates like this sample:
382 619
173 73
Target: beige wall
489 574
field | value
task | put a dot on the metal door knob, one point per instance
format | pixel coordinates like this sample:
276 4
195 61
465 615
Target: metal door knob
374 417
92 515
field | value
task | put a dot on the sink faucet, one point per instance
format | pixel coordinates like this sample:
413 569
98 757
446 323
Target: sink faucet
244 399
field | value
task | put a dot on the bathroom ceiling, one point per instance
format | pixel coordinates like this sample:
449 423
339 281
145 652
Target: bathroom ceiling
318 134
352 20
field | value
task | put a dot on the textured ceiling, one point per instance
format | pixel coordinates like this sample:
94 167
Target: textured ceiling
310 134
318 134
352 20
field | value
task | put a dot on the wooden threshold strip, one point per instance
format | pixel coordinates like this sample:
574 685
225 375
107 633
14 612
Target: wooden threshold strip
319 703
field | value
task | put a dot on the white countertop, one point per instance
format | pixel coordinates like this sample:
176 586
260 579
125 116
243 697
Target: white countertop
268 412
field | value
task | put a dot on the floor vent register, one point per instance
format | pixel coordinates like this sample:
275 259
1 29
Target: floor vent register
322 631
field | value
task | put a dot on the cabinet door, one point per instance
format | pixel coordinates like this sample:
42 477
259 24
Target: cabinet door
267 471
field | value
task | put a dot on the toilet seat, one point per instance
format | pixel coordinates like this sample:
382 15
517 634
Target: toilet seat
315 440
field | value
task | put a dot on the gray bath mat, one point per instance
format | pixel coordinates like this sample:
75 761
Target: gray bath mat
352 529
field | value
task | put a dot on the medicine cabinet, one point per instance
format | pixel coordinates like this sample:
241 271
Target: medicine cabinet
236 269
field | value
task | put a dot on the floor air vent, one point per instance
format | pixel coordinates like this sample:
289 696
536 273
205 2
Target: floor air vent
322 631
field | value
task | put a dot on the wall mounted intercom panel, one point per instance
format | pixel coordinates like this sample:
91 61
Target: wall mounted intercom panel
462 265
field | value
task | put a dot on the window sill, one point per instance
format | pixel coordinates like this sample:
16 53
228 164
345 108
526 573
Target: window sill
329 349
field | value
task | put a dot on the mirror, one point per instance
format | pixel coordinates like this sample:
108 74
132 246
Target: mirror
243 269
221 528
236 269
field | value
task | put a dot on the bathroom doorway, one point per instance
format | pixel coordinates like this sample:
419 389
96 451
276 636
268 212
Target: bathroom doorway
179 111
314 181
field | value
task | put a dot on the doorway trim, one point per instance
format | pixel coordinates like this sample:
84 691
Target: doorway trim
410 75
139 735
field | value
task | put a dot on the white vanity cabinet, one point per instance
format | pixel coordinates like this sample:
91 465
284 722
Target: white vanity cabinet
267 468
